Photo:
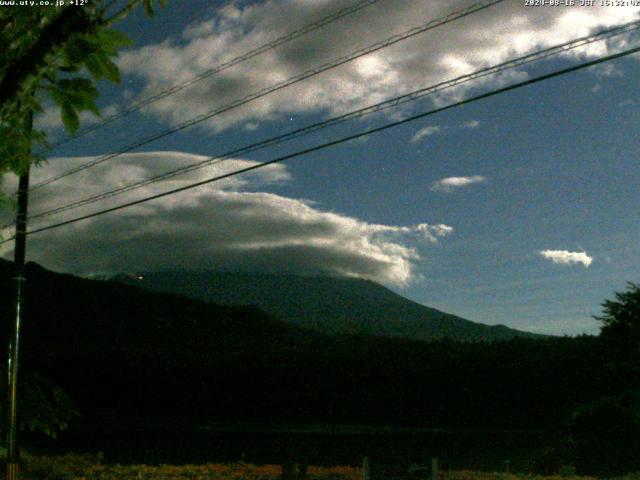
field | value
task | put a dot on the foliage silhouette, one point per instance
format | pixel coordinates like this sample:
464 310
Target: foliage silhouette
45 53
124 353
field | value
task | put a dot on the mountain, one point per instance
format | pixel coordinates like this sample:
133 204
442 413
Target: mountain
122 352
331 305
118 348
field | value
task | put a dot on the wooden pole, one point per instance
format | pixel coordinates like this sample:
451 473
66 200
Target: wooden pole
19 255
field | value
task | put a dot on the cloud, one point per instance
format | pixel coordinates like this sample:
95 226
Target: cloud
564 257
433 129
450 184
477 41
227 225
608 70
471 124
424 132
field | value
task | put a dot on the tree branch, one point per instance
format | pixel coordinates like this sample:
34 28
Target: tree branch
72 21
116 17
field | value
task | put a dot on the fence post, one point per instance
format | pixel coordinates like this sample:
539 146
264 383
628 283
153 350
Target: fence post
366 469
434 468
300 471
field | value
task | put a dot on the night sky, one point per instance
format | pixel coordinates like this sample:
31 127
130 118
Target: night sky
519 209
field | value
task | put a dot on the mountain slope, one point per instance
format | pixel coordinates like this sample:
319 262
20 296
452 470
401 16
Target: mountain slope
118 348
122 352
332 305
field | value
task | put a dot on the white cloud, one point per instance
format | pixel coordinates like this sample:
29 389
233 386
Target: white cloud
226 225
494 35
450 184
564 257
424 132
608 70
470 124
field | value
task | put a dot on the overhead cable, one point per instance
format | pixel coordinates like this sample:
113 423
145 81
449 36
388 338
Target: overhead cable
384 105
221 67
340 140
476 7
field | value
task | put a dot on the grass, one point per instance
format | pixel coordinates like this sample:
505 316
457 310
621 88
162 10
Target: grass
86 467
79 467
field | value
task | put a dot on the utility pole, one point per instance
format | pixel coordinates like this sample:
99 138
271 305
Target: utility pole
14 342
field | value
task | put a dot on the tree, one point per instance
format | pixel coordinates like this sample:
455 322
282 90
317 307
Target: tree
606 431
48 51
620 340
55 52
621 321
606 434
44 407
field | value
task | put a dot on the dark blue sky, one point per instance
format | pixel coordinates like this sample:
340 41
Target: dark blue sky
548 168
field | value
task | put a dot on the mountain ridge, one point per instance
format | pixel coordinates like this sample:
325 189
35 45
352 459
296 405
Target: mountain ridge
122 352
332 305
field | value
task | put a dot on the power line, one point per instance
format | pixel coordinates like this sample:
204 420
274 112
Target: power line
278 86
394 102
341 140
221 67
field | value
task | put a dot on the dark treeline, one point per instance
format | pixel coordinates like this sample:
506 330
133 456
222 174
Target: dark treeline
119 351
